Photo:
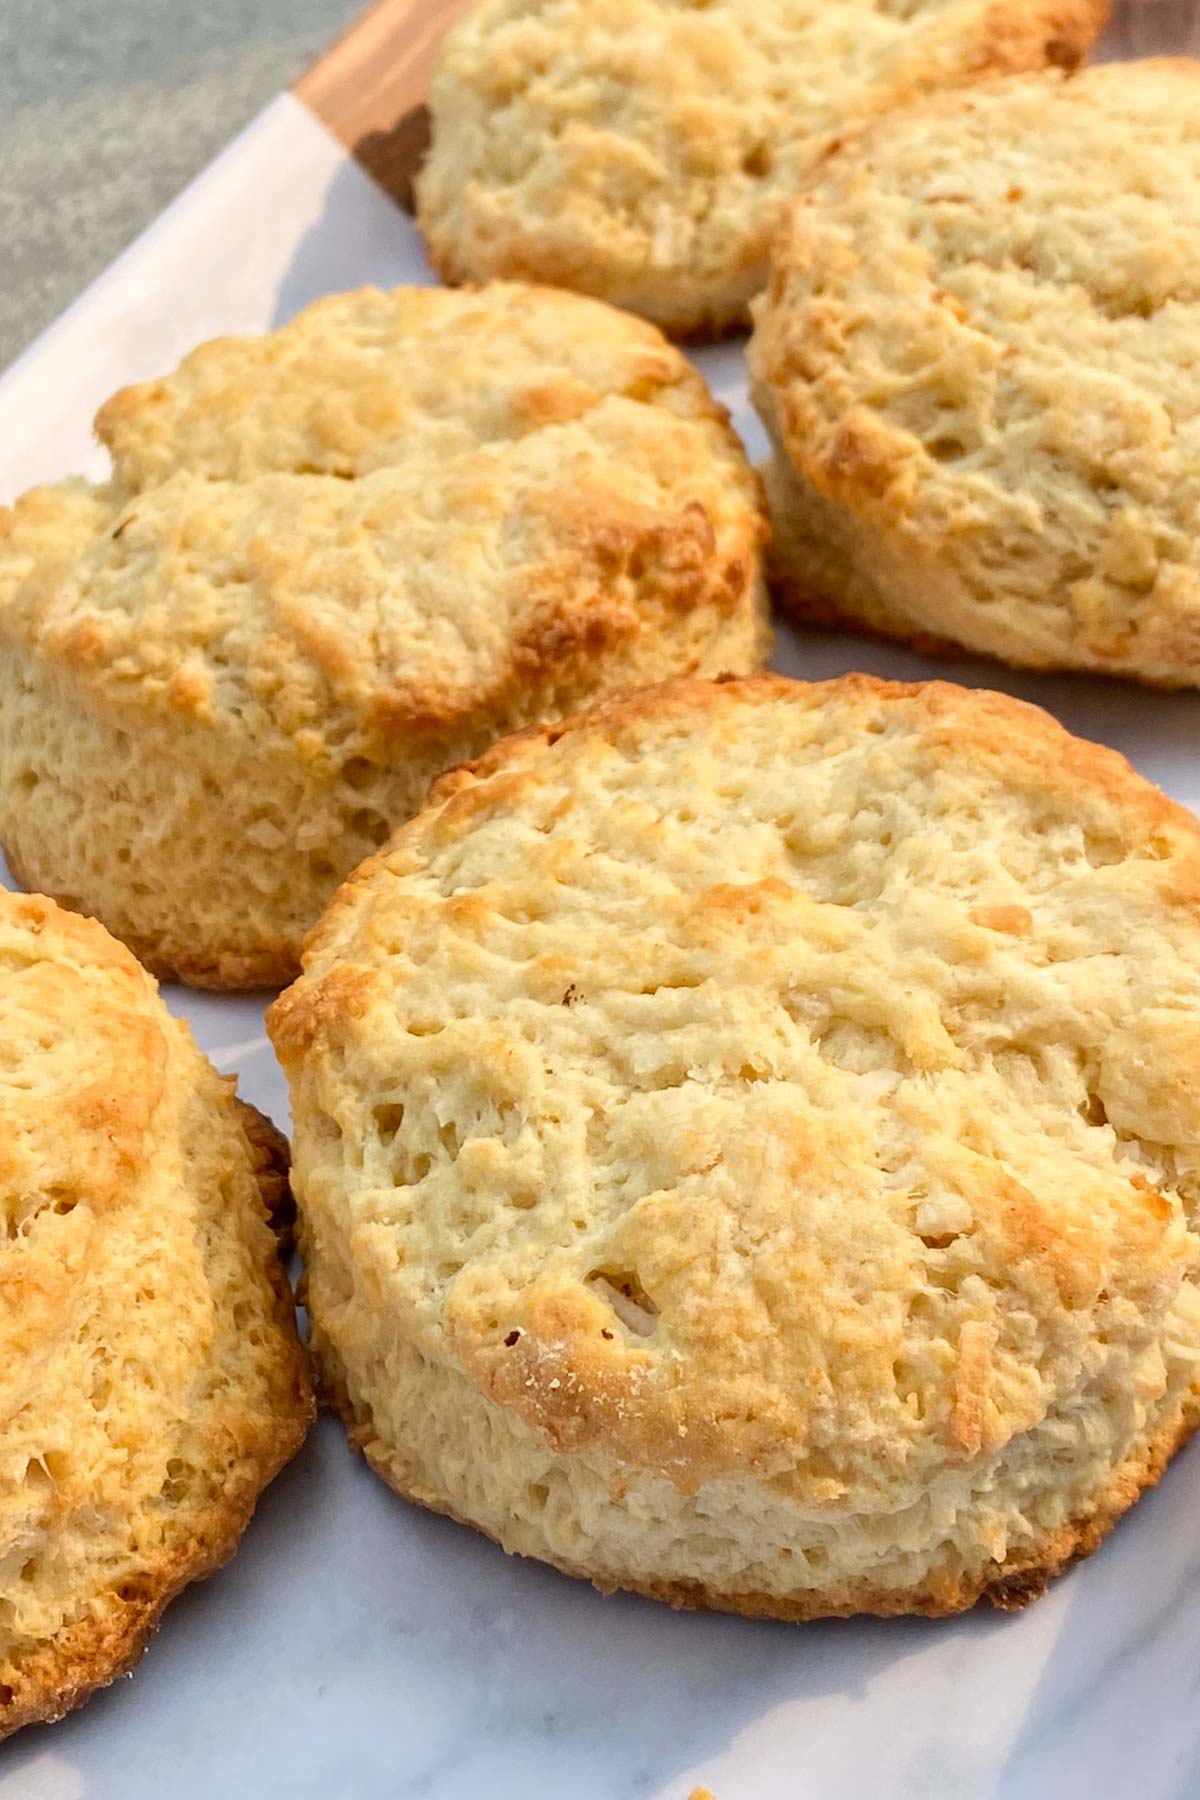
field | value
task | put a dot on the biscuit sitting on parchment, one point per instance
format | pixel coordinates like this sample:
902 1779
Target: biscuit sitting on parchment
639 150
331 562
151 1382
979 359
747 1145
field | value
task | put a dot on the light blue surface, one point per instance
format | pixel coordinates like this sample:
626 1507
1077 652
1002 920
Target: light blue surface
107 109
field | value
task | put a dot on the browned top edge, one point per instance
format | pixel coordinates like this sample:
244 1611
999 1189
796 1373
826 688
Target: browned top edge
369 87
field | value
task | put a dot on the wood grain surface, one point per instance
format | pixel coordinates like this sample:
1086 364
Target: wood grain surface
369 87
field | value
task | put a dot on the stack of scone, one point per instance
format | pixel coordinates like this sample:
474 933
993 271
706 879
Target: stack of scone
747 1132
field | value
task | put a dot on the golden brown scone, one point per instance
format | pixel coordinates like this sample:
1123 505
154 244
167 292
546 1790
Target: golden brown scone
332 561
151 1381
639 150
748 1145
979 358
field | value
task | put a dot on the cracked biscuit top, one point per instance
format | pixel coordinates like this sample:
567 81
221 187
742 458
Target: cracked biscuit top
331 562
979 357
390 514
639 150
795 1084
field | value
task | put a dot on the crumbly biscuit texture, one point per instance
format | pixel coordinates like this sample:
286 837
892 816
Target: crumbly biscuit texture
151 1382
979 358
330 562
639 150
748 1145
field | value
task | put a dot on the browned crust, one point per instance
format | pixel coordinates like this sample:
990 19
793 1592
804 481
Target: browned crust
559 1378
218 970
1012 39
558 643
92 1653
1035 740
272 1159
1013 734
823 612
1055 34
561 637
569 646
1008 1586
849 464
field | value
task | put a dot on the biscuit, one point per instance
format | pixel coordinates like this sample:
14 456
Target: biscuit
979 360
639 150
747 1145
331 562
151 1381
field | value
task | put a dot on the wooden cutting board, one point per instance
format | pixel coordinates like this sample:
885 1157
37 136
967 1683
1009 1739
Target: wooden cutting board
369 87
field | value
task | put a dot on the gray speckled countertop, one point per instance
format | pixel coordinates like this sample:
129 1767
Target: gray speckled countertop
107 109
